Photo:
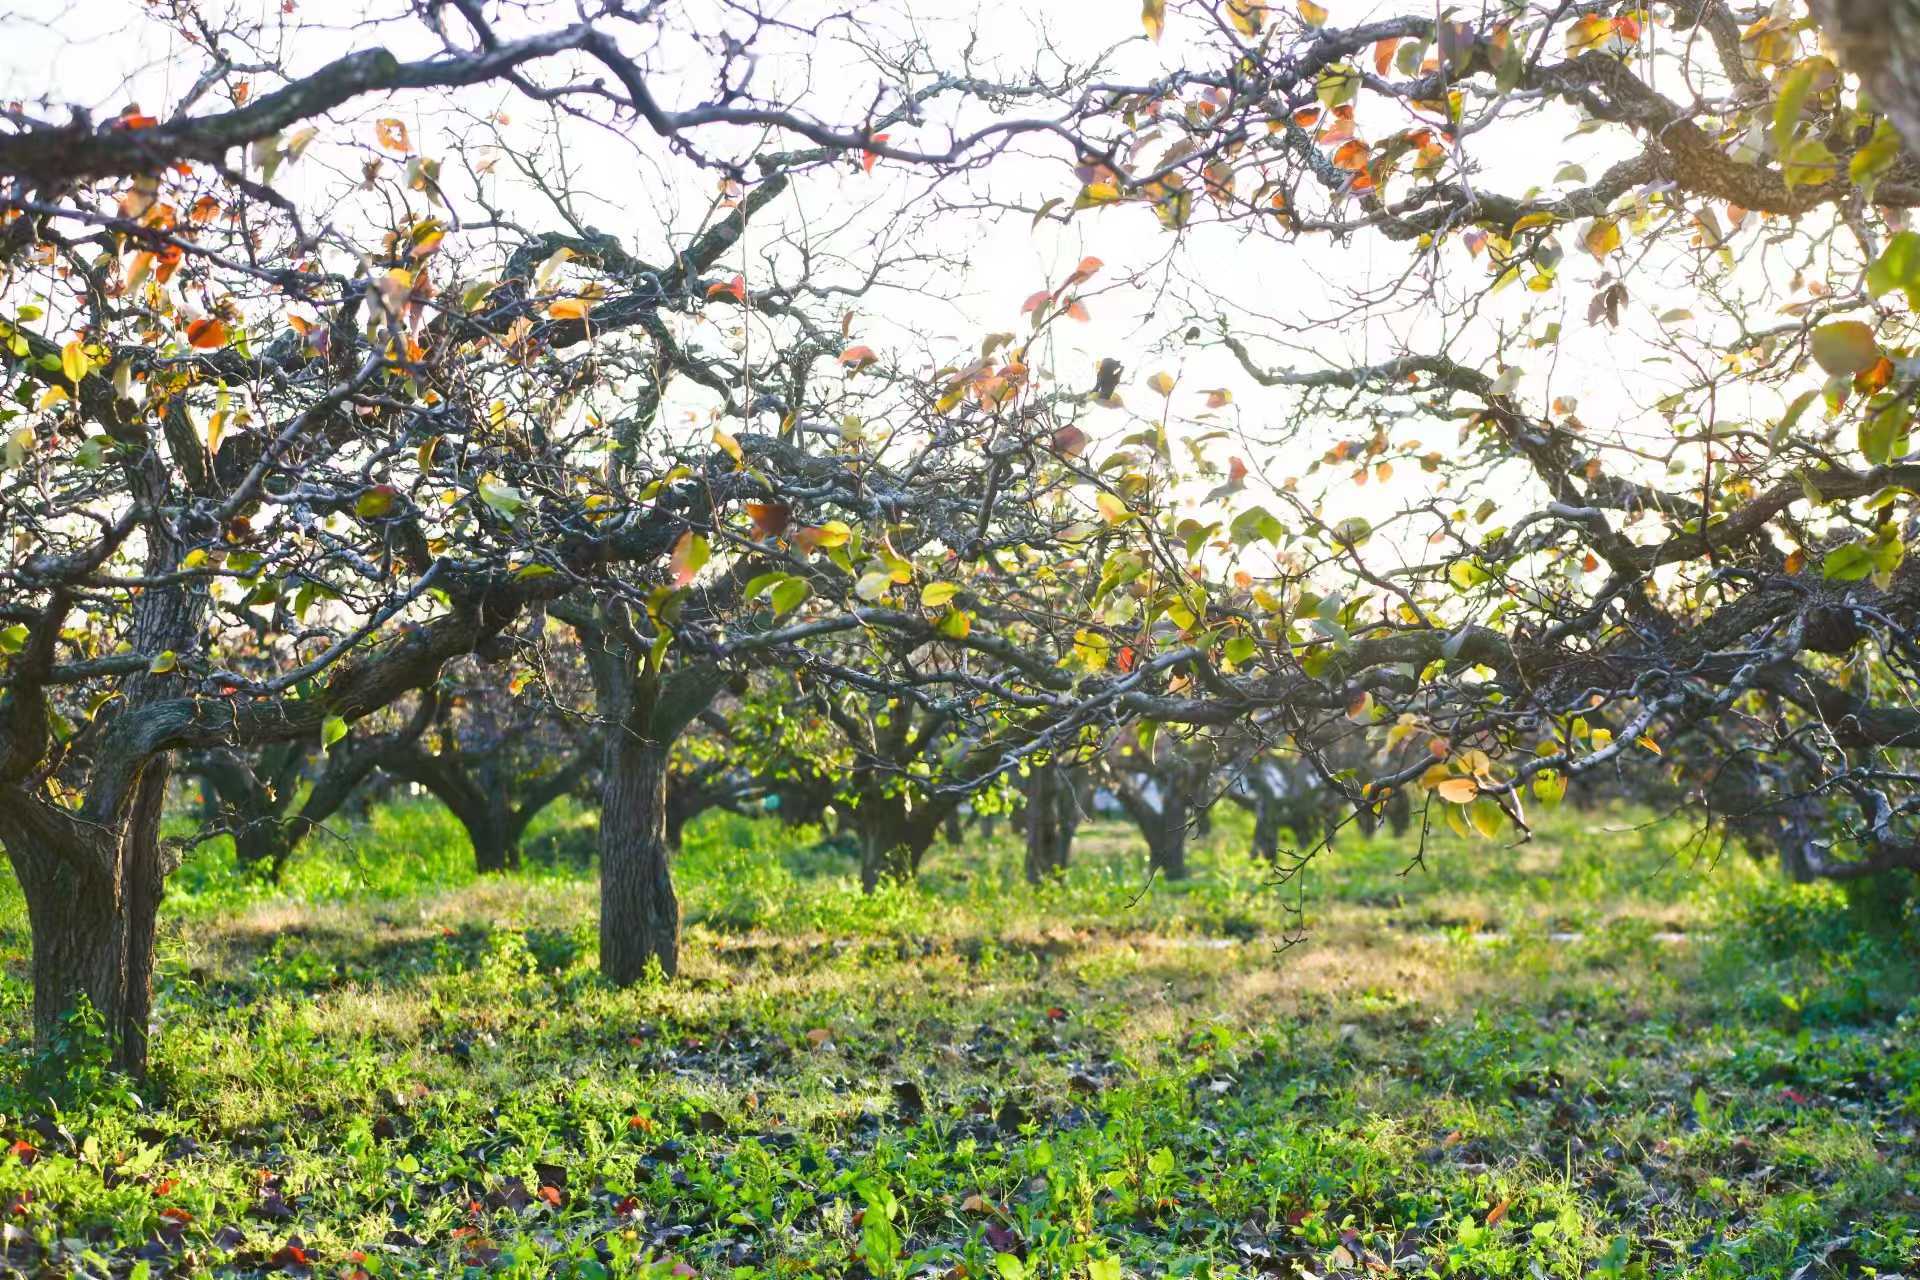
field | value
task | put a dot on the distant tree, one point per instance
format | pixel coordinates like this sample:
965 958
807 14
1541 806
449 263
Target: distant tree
272 800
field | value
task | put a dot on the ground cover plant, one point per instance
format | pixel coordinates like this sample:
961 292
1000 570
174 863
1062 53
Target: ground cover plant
1606 1052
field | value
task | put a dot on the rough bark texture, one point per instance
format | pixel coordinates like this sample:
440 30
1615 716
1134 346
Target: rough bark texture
493 803
645 711
1162 814
639 914
93 900
1879 40
1050 807
893 838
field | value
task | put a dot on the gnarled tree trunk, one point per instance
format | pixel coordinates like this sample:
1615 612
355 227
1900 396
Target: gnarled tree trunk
1160 810
639 914
645 712
893 837
1049 833
93 904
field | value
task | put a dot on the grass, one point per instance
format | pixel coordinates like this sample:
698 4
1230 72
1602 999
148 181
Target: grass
1596 1054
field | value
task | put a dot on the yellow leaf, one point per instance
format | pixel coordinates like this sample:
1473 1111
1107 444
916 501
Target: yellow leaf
74 362
729 444
1310 13
391 134
1590 32
1114 510
1162 382
569 308
1153 16
1602 237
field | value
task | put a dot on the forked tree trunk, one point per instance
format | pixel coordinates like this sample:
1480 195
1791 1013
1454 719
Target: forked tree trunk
1266 830
93 906
884 854
893 839
1048 837
1167 840
639 914
1161 817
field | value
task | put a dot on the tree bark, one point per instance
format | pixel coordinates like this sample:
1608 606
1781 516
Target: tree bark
1167 845
645 713
1048 836
1162 820
1879 40
93 905
1266 830
893 839
639 914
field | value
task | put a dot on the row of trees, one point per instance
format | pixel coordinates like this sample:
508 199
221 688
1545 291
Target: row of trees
323 376
855 769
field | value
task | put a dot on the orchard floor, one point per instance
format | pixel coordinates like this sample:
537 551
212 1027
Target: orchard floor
1602 1053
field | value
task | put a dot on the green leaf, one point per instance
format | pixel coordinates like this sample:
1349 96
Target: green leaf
1807 163
1848 563
1898 267
331 731
1337 85
1845 347
1794 89
789 594
1883 435
1874 159
14 638
1240 649
376 502
1784 428
504 499
935 594
873 584
164 661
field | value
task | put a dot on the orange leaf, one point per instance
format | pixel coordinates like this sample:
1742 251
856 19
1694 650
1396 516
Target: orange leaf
867 158
1077 310
1084 271
1352 156
857 358
1383 54
770 519
1036 301
689 553
392 134
735 288
207 333
1458 790
1068 442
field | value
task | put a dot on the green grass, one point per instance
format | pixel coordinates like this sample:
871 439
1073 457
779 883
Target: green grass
1601 1053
